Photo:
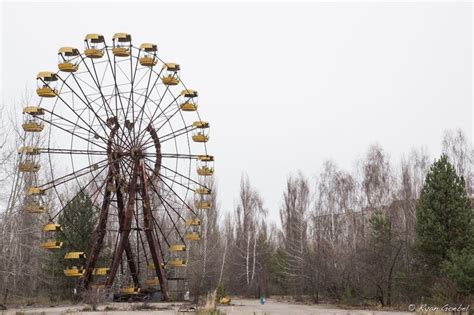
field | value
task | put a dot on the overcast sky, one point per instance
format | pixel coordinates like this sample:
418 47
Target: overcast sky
285 86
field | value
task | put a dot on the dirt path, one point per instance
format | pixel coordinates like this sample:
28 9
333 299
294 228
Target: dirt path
239 307
273 307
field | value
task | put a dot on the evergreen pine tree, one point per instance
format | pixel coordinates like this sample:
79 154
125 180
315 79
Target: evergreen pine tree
78 220
444 228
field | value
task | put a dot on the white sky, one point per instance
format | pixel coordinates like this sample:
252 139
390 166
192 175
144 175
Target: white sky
285 86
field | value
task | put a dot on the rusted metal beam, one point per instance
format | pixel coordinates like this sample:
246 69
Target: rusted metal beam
148 227
98 238
126 226
128 248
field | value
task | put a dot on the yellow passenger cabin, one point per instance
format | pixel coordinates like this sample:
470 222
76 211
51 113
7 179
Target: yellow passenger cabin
74 271
100 271
46 86
193 222
94 46
170 76
121 44
68 59
51 227
33 110
178 248
74 255
177 262
28 166
193 236
32 126
202 204
52 244
189 100
206 158
35 191
205 171
35 208
149 58
152 282
29 150
202 191
130 290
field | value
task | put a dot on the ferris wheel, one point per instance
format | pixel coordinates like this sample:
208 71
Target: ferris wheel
118 123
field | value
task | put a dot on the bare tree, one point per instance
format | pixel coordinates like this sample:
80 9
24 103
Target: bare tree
248 213
461 153
294 215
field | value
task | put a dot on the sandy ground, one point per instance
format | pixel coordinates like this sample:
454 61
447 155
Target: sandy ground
239 307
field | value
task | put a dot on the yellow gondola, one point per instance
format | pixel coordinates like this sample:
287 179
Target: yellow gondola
193 222
193 236
178 248
100 271
130 290
35 208
152 266
74 271
51 227
170 76
202 191
35 191
206 158
75 255
33 126
149 50
205 171
121 44
94 46
29 150
202 204
52 244
201 136
152 282
66 56
177 262
46 84
28 167
33 110
190 104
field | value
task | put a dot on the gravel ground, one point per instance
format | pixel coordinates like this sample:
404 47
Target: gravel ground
238 307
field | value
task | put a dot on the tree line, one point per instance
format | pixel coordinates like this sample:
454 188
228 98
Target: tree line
382 233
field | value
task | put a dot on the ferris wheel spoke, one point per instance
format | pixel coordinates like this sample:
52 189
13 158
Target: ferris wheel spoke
152 120
182 176
99 85
164 203
153 186
176 194
76 174
173 155
74 226
93 101
85 102
132 76
177 133
163 111
117 90
60 118
70 132
142 109
71 151
158 228
81 190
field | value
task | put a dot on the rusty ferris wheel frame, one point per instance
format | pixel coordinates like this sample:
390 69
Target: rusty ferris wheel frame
131 141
